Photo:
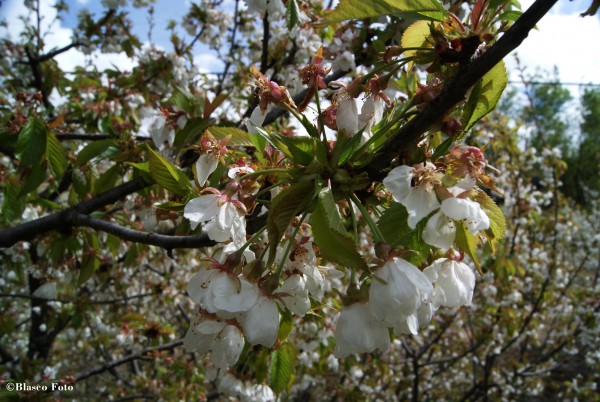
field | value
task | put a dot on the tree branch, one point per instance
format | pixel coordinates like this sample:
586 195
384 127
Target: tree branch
457 89
155 239
29 230
127 359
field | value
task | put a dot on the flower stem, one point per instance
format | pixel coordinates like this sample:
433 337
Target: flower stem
289 246
374 229
262 172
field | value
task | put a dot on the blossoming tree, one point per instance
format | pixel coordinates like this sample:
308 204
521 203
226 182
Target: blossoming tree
311 211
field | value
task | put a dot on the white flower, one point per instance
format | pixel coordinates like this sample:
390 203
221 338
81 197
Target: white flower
419 201
46 291
397 291
223 215
274 7
344 62
295 295
256 119
231 386
259 393
222 293
454 283
413 322
440 230
346 116
371 113
357 331
261 322
205 165
223 340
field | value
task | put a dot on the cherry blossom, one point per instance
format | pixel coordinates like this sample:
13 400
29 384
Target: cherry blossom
397 291
358 331
454 282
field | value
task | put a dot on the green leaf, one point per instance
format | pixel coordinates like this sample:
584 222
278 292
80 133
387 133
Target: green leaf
95 149
31 143
281 369
497 228
348 150
330 235
466 242
238 137
285 325
182 100
88 267
190 132
144 166
393 225
13 205
36 176
292 14
56 156
168 175
108 180
359 9
442 149
284 207
328 207
300 149
416 35
492 86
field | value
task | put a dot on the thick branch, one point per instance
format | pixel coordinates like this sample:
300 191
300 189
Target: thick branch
155 239
54 53
29 230
457 89
127 359
94 137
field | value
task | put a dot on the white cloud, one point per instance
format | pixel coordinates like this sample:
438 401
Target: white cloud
208 63
57 36
566 41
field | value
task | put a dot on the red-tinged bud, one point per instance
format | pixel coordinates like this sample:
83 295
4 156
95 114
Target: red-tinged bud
329 117
424 94
231 188
452 127
391 52
382 250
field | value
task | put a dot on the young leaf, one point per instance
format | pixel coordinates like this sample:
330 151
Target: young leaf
168 175
416 36
107 180
31 143
301 149
284 207
330 234
34 179
359 9
492 86
56 156
466 242
497 228
94 149
393 225
292 14
238 137
281 368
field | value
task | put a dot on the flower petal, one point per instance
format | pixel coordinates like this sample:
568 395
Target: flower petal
398 182
201 209
419 203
